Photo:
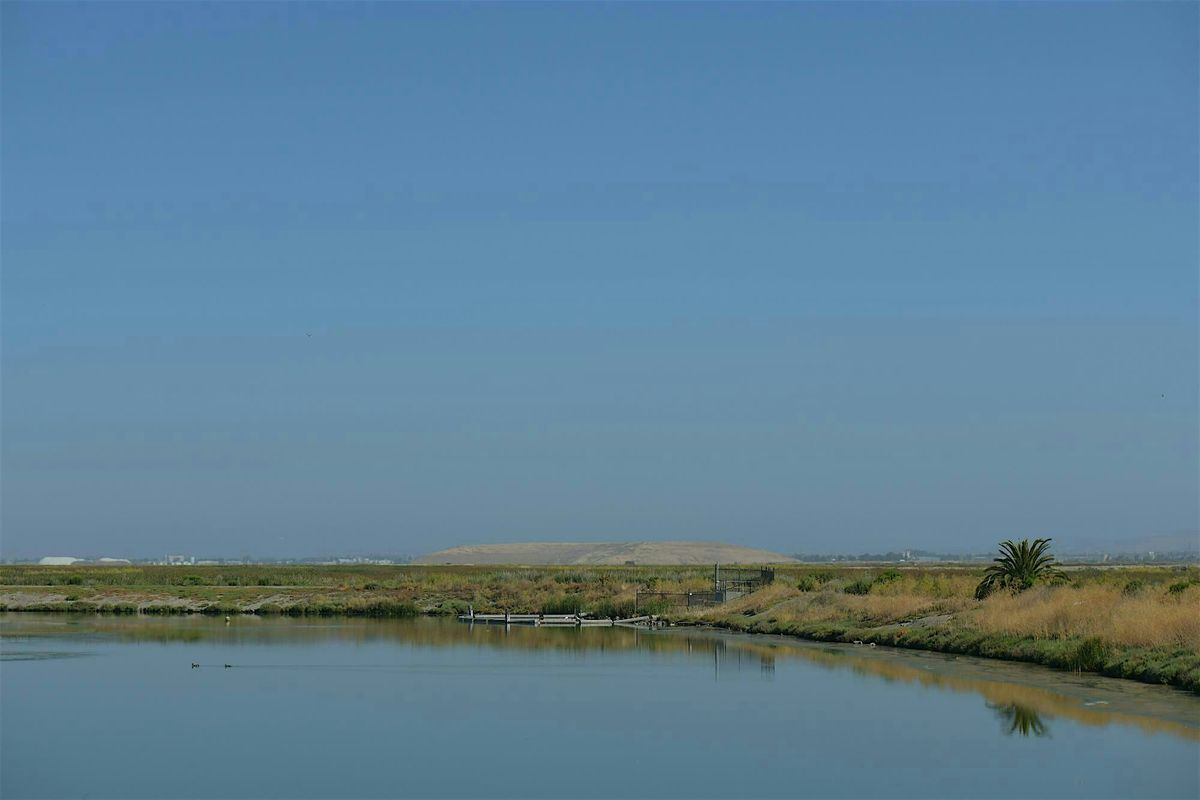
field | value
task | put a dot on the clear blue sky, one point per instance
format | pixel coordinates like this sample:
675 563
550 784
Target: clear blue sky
301 279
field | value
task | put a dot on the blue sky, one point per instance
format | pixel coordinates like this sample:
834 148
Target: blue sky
314 278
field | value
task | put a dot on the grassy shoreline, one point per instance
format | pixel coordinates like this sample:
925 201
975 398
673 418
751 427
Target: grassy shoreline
1140 623
1172 667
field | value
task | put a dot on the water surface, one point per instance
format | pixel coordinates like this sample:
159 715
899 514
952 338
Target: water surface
95 706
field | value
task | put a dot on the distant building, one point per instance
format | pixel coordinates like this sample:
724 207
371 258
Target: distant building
113 561
180 560
59 561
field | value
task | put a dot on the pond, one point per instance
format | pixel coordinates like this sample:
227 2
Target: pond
312 708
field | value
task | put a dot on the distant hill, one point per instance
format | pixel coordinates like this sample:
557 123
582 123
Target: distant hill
599 553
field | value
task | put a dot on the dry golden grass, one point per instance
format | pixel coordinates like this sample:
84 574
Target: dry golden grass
1129 607
785 603
929 584
1148 619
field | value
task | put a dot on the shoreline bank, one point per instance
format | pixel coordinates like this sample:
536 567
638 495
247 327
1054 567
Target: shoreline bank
1157 666
1077 691
1178 668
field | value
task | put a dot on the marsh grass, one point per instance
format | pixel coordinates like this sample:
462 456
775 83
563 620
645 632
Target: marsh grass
601 591
1146 618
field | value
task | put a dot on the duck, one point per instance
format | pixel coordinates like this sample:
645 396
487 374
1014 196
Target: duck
227 666
858 641
195 665
872 644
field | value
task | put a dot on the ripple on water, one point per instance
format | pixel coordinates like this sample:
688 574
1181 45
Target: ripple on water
39 655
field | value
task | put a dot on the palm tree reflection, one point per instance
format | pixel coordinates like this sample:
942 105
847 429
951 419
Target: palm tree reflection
1019 719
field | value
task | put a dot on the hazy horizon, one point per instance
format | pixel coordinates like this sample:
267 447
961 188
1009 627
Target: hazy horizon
306 279
1179 542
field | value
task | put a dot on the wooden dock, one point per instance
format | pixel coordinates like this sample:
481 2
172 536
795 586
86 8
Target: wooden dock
562 620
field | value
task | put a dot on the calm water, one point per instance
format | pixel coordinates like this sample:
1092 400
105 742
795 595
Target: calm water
110 707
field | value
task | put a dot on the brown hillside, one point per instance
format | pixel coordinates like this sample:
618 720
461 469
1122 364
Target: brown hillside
599 553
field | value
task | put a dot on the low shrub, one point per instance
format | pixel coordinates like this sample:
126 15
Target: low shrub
887 577
614 609
860 586
1091 654
375 608
450 608
564 604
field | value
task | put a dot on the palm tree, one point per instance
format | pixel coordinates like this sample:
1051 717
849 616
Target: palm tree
1020 565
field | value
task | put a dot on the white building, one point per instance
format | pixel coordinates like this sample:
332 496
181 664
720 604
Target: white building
58 561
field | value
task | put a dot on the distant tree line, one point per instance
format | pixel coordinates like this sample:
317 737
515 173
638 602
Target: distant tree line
1174 557
891 555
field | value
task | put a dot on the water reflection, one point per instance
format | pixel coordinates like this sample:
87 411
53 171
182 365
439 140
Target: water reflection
1019 719
1023 708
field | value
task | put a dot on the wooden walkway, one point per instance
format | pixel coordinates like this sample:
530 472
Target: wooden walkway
565 620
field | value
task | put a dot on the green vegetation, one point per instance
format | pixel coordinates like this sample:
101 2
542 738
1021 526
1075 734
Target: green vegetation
861 586
1020 566
1182 586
